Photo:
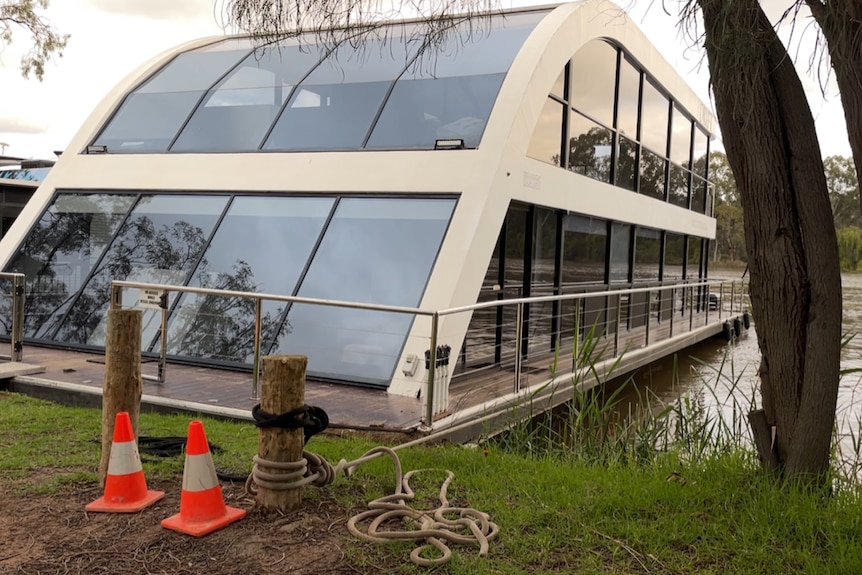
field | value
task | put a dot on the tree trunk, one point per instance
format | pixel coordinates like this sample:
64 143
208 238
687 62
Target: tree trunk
841 23
772 148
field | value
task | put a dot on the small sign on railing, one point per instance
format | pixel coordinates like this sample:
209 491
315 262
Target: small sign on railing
153 299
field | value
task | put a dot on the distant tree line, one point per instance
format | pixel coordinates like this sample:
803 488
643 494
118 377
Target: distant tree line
729 245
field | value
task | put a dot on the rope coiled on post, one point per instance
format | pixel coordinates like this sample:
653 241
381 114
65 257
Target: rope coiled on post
379 522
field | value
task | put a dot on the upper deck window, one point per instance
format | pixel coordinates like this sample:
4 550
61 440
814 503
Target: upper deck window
294 96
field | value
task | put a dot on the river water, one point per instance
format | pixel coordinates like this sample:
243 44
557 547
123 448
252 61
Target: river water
723 375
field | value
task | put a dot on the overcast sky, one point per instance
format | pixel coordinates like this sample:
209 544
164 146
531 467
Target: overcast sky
110 38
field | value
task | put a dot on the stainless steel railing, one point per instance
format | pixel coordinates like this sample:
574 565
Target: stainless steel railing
694 300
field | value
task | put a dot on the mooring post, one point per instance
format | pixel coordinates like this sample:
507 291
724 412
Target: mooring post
282 390
122 387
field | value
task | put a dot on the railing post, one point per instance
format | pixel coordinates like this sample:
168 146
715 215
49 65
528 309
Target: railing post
732 295
690 308
255 377
672 311
577 335
432 363
519 329
720 300
617 328
163 348
648 314
17 343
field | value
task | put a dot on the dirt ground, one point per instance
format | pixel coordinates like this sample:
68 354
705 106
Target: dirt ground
53 535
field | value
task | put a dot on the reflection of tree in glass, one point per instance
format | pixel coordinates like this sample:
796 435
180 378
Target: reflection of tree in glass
219 327
652 175
140 247
590 154
75 238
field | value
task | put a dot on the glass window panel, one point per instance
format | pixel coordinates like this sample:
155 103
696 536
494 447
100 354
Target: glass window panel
680 144
594 77
544 250
674 256
627 163
333 107
647 254
589 148
627 106
698 195
701 147
654 119
150 117
652 175
419 112
262 245
375 251
159 243
59 253
559 87
678 186
584 250
547 137
448 93
621 237
692 271
236 114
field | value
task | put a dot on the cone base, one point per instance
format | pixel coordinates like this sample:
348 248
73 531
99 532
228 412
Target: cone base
102 505
201 528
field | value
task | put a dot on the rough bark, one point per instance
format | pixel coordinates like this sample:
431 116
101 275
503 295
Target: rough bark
772 148
122 387
282 390
841 24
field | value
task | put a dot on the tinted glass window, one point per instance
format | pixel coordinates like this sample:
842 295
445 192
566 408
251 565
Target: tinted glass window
333 108
594 77
159 243
262 245
627 107
621 237
678 186
692 271
674 256
627 164
654 119
559 87
150 117
589 148
584 249
548 134
236 114
652 175
698 195
448 93
680 145
375 251
647 254
701 146
420 112
544 250
59 253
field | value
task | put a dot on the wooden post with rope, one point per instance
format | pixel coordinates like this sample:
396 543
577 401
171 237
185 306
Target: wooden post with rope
122 387
282 390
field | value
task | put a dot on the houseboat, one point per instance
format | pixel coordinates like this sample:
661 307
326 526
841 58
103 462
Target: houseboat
489 177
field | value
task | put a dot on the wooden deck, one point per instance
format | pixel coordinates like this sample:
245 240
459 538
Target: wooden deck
77 377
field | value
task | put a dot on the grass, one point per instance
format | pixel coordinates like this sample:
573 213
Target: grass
678 510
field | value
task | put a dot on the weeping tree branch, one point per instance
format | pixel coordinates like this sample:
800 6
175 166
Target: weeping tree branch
331 22
47 42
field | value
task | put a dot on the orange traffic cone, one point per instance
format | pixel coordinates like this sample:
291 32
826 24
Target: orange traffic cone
125 486
202 508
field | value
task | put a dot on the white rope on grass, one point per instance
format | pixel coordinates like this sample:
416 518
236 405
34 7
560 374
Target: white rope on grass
389 518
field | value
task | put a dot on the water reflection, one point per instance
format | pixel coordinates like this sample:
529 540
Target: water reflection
723 375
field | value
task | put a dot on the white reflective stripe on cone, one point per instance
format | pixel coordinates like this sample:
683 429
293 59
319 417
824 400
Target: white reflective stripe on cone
124 459
199 474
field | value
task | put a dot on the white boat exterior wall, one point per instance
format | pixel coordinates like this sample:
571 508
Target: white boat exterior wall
486 179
